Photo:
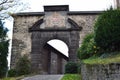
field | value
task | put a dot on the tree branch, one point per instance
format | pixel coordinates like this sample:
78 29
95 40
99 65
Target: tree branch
3 2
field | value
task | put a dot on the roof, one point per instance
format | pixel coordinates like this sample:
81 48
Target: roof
56 8
52 8
69 13
29 14
84 12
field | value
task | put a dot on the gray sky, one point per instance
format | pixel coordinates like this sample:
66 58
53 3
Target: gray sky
74 5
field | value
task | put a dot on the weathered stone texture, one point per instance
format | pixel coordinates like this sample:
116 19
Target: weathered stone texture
101 72
32 31
21 43
39 40
71 38
86 22
53 63
55 19
117 3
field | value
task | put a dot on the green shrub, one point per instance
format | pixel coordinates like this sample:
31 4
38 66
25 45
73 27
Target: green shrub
23 66
12 73
71 77
107 31
71 67
88 47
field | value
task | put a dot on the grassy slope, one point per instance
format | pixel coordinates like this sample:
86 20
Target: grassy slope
112 59
71 77
8 79
13 78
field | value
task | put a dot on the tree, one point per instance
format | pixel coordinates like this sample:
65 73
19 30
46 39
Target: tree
8 6
107 31
4 43
88 47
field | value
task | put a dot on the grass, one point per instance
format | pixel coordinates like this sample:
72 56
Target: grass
18 77
8 79
98 60
71 77
13 78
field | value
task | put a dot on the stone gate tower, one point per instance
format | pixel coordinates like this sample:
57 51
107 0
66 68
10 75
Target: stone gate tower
32 31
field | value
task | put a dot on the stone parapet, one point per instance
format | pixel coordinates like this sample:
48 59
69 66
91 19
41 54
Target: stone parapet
101 71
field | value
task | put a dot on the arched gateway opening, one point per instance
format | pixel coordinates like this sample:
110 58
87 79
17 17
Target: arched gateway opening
55 24
57 56
60 46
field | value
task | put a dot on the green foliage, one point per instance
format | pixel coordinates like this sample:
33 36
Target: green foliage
12 73
71 77
23 66
8 79
107 31
13 78
3 50
107 60
88 47
71 67
106 36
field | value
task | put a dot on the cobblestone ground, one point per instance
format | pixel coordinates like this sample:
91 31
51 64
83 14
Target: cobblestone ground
44 77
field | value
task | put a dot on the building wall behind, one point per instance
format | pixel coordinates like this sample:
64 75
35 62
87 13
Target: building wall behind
118 3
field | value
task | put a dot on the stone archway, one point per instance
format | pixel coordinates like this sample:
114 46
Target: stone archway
32 30
54 25
39 56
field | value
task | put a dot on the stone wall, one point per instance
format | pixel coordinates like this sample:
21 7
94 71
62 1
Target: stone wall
39 53
21 41
100 71
86 22
32 30
117 3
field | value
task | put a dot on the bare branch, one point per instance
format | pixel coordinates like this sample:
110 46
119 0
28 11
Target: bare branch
3 2
10 6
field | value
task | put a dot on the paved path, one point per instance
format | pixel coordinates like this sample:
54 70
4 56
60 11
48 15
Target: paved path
44 77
